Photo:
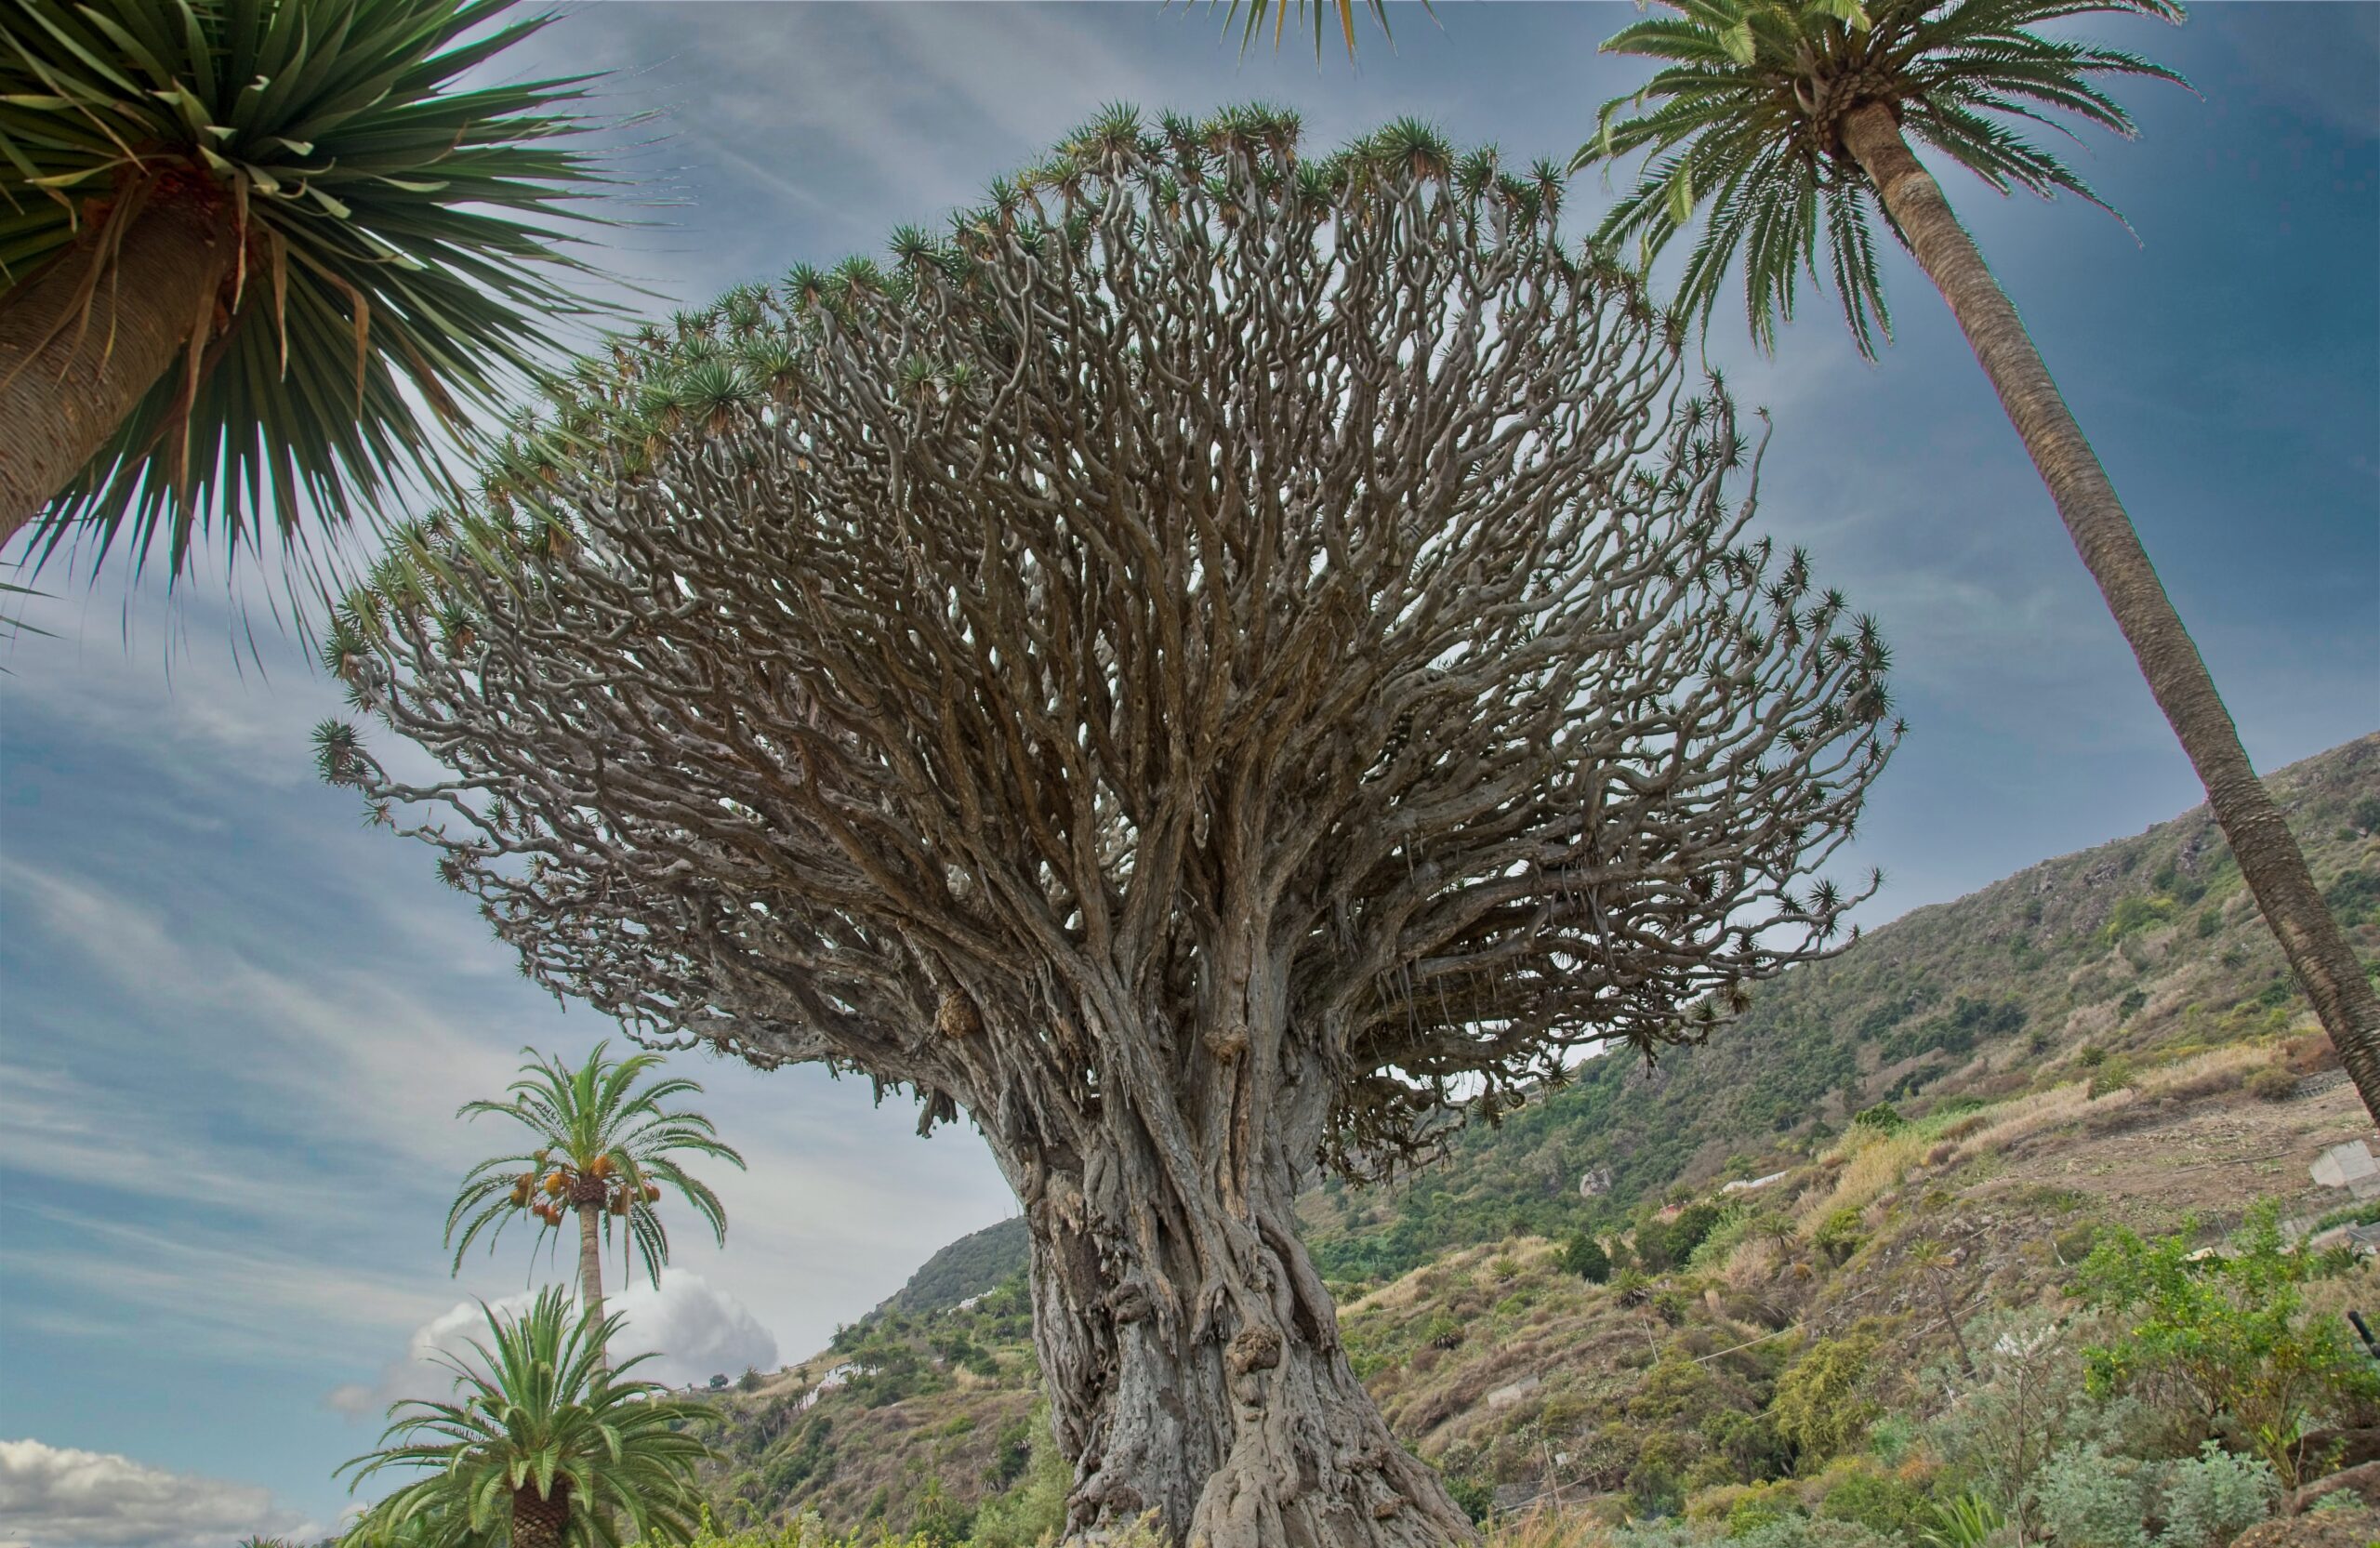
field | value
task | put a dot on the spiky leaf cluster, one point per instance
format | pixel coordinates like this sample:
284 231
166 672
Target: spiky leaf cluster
539 1407
397 255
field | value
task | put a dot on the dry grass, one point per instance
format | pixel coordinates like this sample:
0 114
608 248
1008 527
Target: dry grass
1871 1161
1551 1528
2218 1070
1753 1264
2022 1120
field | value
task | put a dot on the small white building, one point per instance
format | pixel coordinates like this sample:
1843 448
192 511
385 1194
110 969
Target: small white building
2348 1166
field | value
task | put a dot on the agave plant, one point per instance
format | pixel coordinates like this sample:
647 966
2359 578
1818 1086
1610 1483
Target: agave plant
260 256
607 1149
541 1445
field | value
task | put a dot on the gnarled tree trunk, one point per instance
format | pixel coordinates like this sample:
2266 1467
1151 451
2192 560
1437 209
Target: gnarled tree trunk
1191 1352
2269 859
67 381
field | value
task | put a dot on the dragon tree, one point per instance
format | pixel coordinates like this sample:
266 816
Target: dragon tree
1214 668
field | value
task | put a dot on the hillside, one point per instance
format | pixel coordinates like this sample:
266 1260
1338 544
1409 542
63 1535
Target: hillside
2074 1047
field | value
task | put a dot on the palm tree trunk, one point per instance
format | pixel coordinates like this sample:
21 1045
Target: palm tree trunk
2269 855
591 1261
539 1522
69 379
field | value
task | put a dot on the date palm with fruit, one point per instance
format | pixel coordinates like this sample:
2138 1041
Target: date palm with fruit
607 1147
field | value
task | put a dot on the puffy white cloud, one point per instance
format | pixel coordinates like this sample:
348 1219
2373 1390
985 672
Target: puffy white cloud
691 1328
57 1497
692 1331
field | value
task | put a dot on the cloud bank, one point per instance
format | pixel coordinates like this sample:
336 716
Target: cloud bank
692 1329
57 1497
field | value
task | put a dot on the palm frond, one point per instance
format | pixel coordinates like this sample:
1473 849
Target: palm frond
1741 123
403 242
539 1404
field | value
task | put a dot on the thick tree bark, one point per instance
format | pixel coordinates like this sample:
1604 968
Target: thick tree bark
2269 858
1191 1352
65 389
539 1522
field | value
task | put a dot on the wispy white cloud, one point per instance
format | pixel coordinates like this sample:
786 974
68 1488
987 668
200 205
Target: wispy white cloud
222 1293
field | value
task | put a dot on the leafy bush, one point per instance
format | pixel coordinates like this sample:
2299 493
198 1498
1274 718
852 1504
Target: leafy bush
1585 1257
2109 1075
2135 914
1034 1507
2214 1497
2270 1084
2225 1344
1877 1500
1838 1234
2025 1399
1474 1499
1797 1531
2355 897
1822 1406
2088 1498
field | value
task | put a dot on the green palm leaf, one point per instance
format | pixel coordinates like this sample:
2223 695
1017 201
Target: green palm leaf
1742 123
538 1408
398 231
605 1130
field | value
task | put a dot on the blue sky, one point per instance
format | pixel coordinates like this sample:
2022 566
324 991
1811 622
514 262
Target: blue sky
234 1024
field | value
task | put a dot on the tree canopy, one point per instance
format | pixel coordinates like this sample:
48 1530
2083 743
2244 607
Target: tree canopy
849 649
1220 659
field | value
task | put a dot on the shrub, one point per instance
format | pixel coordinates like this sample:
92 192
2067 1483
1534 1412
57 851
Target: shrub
2355 897
2135 914
2214 1497
2111 1075
1033 1509
2089 1499
2227 1342
1796 1531
1473 1498
1883 1116
2270 1084
1821 1405
2025 1399
1585 1257
1764 1508
1877 1500
1838 1234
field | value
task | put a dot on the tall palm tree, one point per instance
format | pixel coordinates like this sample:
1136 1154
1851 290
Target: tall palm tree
256 255
1786 122
606 1147
542 1442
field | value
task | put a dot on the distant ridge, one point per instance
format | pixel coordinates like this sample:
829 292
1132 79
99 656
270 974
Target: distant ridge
972 1265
